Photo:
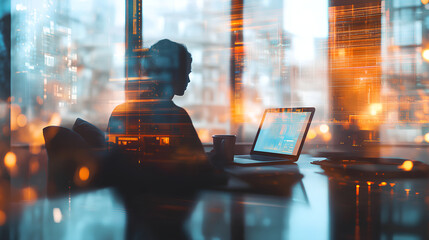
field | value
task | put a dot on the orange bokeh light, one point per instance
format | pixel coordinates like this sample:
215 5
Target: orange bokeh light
29 194
406 165
324 128
10 160
15 111
2 218
34 166
55 119
204 135
311 134
425 54
375 108
21 120
418 139
83 173
327 136
427 137
35 149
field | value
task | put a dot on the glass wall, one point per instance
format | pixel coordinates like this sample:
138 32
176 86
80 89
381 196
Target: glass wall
361 64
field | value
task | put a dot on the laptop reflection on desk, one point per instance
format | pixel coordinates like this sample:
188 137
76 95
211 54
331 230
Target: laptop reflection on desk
280 137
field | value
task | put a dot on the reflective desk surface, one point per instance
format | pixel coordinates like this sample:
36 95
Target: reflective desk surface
297 201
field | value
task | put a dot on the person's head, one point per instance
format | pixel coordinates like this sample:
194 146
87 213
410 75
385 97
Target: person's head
169 64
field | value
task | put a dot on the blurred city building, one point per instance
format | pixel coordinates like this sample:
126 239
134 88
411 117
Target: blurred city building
355 70
405 71
63 59
282 68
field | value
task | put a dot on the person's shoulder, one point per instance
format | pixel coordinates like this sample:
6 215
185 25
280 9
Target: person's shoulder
180 113
124 107
178 109
120 107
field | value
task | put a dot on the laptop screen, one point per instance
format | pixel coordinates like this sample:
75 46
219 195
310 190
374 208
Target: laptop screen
282 132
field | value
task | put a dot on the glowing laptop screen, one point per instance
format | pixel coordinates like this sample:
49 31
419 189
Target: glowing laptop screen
282 132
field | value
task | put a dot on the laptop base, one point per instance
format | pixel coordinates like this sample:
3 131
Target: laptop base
259 160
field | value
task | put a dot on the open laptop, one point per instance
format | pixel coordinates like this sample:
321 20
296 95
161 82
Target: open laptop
280 136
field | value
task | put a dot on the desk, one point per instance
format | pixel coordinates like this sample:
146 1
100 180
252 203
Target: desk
316 207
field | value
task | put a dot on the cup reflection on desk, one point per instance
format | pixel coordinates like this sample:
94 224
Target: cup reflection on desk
223 146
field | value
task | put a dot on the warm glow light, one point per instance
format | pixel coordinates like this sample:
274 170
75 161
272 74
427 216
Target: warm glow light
29 194
406 165
418 139
15 110
35 149
424 2
408 192
34 166
375 108
382 184
327 137
253 115
311 134
10 160
425 54
21 120
204 135
324 128
36 135
427 137
2 218
55 120
165 141
83 173
58 216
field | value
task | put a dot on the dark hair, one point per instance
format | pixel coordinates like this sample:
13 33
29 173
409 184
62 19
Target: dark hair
167 56
166 64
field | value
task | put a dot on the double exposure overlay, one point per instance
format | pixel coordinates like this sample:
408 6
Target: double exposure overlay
123 119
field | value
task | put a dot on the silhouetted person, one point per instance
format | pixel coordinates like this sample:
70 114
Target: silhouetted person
165 155
157 134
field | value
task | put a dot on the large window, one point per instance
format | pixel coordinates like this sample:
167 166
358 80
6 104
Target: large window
368 69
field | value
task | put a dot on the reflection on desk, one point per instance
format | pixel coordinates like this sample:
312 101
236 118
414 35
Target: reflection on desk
316 206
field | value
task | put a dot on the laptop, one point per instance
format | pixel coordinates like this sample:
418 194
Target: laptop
280 137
